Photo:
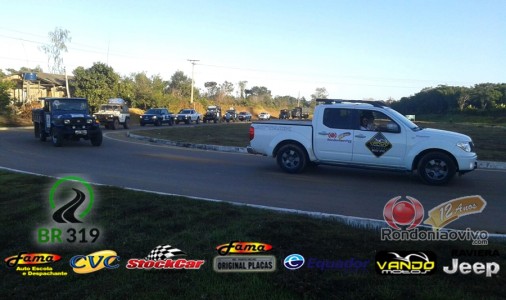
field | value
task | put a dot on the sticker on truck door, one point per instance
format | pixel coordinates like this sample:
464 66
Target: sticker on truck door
378 144
343 137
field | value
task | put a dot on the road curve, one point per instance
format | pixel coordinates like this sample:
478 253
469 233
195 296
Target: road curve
245 178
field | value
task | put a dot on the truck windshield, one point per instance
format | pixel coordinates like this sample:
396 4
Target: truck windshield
154 111
70 105
406 121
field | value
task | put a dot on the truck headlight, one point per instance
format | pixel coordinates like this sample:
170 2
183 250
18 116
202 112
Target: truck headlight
66 121
154 118
464 146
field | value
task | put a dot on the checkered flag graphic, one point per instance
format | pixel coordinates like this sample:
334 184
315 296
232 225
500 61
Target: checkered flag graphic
164 252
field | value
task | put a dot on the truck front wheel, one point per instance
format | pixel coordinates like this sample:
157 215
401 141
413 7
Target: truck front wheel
57 139
96 140
436 168
292 158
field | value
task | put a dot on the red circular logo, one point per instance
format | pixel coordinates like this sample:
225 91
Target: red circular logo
405 212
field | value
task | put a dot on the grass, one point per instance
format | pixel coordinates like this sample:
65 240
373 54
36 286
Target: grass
489 140
133 223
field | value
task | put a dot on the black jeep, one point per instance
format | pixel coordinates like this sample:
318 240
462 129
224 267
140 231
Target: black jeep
213 113
65 118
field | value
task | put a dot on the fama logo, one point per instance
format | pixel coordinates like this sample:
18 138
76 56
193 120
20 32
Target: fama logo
25 258
243 248
405 263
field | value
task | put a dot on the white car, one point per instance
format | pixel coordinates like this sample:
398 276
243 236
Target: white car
264 116
336 136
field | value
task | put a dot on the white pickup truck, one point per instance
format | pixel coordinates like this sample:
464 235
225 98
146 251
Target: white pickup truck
364 134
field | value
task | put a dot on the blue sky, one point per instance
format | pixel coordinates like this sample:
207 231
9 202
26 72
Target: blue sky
355 49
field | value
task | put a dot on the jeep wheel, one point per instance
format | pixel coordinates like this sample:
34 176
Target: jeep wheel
57 139
188 121
125 124
204 120
115 124
96 140
158 122
292 158
171 122
215 121
197 121
436 168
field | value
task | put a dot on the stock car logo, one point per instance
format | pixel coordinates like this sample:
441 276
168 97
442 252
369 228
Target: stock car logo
165 257
407 212
405 262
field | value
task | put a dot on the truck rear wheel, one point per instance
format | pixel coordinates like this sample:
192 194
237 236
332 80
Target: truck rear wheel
292 158
436 168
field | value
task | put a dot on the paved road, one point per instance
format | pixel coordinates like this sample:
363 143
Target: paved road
247 178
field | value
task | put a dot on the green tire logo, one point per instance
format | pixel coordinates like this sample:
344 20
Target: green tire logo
66 212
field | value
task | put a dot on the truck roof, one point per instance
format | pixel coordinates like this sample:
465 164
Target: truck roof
356 102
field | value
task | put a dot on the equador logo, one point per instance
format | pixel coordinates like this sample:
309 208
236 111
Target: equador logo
71 199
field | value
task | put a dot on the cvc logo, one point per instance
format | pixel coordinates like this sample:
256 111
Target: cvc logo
83 264
294 261
71 192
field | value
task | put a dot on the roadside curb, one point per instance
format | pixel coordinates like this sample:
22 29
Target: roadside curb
482 164
188 145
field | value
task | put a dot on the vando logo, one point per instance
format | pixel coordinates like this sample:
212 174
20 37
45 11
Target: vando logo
105 259
294 261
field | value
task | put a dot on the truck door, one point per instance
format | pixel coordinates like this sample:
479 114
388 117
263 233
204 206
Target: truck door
333 136
378 140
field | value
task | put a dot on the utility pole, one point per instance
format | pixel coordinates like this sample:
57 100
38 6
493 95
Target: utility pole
193 62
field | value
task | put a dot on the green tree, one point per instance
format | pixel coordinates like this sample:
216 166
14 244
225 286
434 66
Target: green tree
5 97
320 93
212 88
242 87
97 83
180 85
58 39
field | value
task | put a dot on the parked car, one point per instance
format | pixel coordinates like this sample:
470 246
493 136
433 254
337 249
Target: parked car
264 116
230 115
188 116
244 116
157 116
213 113
284 114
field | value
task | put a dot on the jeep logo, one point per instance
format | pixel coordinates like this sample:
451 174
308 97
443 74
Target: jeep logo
478 268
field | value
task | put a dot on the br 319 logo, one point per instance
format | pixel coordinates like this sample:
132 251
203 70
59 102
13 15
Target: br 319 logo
69 213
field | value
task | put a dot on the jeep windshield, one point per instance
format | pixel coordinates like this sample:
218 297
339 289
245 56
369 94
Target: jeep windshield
70 105
154 111
185 112
109 107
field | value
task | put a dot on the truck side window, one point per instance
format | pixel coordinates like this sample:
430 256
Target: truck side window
384 123
339 118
